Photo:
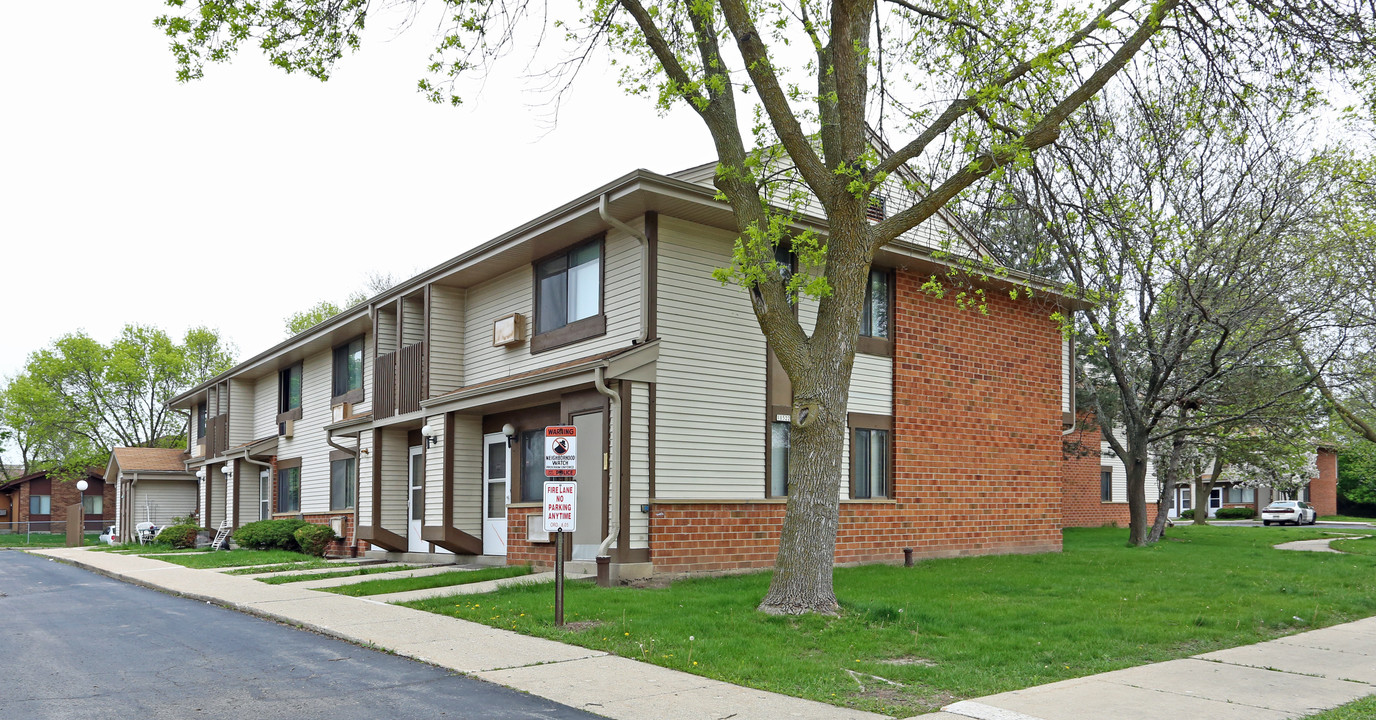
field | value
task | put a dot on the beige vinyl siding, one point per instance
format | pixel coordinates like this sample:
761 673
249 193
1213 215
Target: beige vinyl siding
434 475
363 501
265 406
219 490
640 464
511 293
241 412
871 385
468 474
446 339
195 437
412 320
308 439
366 406
395 480
165 498
710 432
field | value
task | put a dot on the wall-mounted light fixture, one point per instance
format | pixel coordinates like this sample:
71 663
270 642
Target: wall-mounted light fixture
200 474
509 431
431 435
227 469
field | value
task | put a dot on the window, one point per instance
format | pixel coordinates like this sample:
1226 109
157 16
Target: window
200 420
289 391
92 504
1242 494
40 504
1105 485
568 294
870 460
874 318
348 371
289 489
342 484
778 458
533 465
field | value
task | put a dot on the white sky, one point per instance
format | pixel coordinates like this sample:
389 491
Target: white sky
126 197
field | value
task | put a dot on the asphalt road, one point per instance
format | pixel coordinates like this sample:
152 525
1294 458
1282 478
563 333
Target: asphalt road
74 644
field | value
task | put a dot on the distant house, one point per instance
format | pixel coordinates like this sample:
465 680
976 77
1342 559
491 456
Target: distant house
151 485
38 502
1321 492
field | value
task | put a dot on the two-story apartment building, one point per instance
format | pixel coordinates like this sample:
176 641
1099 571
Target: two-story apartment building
416 422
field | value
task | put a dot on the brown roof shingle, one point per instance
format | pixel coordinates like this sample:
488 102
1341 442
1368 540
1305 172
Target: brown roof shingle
151 459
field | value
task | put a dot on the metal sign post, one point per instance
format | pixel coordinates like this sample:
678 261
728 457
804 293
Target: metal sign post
561 511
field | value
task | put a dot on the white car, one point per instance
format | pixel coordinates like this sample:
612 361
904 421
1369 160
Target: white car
106 534
1289 511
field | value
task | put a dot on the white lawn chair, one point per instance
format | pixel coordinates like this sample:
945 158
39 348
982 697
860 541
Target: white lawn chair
146 532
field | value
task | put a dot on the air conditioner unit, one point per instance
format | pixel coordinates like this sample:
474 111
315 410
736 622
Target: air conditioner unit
337 526
342 411
535 529
200 449
286 428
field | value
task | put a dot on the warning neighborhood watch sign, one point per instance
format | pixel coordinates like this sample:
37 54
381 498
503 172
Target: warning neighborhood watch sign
561 451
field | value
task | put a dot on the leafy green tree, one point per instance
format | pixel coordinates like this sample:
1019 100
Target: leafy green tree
299 322
1357 473
79 398
911 99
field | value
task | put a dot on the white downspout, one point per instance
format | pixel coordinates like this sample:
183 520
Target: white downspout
614 486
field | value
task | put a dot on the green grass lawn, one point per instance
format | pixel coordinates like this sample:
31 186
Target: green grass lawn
353 572
1358 546
1346 518
43 539
424 582
965 627
1364 709
236 558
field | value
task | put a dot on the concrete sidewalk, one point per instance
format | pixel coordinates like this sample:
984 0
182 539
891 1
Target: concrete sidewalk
1291 677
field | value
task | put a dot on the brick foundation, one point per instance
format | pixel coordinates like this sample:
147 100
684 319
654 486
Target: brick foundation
349 546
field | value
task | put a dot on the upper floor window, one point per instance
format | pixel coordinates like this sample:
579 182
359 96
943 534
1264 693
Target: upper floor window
348 371
874 319
289 389
875 334
200 420
568 297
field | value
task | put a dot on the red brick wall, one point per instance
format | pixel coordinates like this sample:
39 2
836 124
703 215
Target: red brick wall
977 466
349 546
1323 491
520 551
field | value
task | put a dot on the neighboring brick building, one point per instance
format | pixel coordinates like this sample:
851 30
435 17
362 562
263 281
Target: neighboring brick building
1094 480
39 501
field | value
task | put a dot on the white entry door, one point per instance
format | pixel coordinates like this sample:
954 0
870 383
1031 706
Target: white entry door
496 492
416 502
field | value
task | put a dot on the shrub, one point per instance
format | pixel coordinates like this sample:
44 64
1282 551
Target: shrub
178 536
1187 515
1236 513
314 538
269 534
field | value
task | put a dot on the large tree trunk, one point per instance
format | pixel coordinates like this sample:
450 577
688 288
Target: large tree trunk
1139 533
802 579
